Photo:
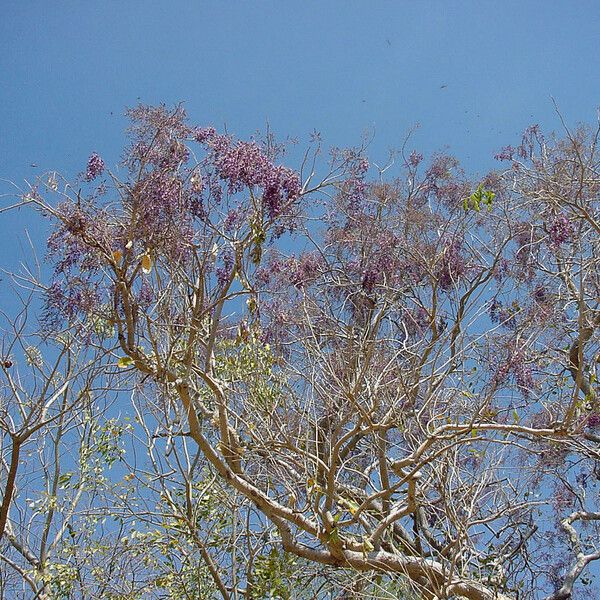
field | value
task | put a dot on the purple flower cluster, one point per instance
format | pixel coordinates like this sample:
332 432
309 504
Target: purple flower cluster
305 269
507 153
272 270
531 137
83 236
95 167
164 214
416 320
381 268
593 420
452 265
502 315
223 273
560 231
517 367
233 219
204 135
441 167
157 137
446 181
452 192
79 237
245 165
145 295
502 269
415 159
354 187
67 299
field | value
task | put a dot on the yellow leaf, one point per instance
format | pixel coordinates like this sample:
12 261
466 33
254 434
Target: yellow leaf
117 256
124 362
146 264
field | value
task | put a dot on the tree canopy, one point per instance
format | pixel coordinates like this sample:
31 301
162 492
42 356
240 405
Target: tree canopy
334 379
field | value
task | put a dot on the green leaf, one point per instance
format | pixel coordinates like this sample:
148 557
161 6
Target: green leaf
124 362
478 197
334 536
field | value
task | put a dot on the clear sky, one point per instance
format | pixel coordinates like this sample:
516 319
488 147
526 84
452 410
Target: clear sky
473 74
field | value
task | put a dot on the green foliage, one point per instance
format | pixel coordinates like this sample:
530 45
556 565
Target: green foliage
104 446
272 576
259 237
124 362
250 364
478 198
59 579
103 328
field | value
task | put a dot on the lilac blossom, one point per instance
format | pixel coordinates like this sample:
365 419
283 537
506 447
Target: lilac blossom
145 295
531 137
223 273
507 153
95 167
502 269
80 237
517 367
414 159
593 420
560 231
452 266
68 298
505 316
416 320
233 219
305 269
245 165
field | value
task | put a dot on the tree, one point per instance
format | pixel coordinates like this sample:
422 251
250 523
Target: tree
388 377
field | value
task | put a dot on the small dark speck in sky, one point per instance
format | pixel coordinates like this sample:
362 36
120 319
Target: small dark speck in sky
443 86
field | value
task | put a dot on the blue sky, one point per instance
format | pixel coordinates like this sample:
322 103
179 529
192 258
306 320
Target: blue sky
68 70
